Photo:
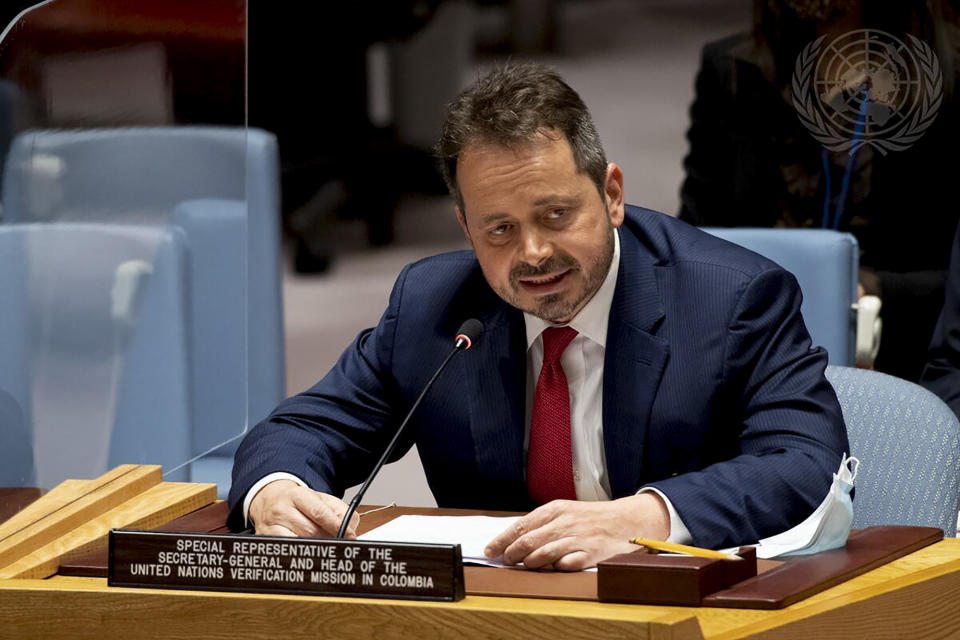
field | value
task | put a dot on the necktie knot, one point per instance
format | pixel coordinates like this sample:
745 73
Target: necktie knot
555 340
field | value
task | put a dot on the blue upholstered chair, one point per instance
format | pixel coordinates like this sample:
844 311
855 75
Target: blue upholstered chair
132 174
908 443
94 339
826 264
236 328
220 186
220 294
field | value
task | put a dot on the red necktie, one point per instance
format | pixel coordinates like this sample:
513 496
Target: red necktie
549 453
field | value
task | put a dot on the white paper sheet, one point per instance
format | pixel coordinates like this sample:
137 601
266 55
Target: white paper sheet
472 533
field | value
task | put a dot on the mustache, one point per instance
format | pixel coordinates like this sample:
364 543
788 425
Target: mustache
552 265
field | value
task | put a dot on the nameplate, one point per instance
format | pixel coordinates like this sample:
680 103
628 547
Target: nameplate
269 564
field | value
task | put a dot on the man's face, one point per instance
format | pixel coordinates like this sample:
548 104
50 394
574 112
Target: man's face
542 233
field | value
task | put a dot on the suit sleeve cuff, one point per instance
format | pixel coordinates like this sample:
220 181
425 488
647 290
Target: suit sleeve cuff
679 534
260 484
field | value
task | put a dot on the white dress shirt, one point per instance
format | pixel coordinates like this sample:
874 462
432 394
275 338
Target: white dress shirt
582 363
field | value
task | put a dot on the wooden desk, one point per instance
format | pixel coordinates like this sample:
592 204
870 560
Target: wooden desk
913 597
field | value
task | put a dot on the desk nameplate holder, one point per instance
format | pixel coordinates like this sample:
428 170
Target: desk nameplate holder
270 564
646 577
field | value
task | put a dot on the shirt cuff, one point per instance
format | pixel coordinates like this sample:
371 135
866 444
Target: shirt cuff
260 484
679 534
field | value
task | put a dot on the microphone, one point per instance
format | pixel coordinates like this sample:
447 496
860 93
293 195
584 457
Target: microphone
467 334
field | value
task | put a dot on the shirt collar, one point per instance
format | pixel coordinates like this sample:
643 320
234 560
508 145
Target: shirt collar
593 318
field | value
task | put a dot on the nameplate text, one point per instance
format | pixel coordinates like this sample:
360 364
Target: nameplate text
268 564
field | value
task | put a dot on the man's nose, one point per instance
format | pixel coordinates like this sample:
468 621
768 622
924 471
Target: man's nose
535 248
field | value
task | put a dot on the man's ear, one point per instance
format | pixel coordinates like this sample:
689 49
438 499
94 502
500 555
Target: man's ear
462 219
613 194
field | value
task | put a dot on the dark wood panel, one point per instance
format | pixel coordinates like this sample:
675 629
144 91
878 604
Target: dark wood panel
14 499
803 576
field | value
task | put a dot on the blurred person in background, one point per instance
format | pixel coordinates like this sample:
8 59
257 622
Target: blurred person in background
753 163
309 86
942 373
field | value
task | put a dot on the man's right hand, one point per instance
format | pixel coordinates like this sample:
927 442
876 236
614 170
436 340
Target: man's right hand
285 508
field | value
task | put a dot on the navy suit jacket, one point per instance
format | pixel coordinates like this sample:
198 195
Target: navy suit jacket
712 392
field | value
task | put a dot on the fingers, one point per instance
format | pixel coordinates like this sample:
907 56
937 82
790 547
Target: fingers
498 545
286 508
321 509
545 555
563 536
569 553
523 527
301 525
565 554
339 509
529 543
265 501
576 561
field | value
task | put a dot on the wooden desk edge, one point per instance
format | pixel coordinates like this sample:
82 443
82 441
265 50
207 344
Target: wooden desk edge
805 610
568 618
578 619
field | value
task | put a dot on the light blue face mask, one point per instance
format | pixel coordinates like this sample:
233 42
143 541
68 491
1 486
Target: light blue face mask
827 528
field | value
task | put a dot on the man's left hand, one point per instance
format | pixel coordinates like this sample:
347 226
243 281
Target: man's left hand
570 536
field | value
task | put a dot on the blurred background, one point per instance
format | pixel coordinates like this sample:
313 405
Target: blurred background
372 201
122 113
633 63
354 95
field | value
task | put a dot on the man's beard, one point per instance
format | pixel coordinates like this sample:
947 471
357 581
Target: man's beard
553 307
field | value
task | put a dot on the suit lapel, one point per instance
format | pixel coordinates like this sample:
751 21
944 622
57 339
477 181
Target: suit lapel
633 365
495 373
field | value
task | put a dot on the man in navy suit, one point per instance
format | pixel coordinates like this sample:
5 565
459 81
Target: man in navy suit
637 377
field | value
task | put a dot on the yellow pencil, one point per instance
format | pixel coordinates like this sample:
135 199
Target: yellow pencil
660 545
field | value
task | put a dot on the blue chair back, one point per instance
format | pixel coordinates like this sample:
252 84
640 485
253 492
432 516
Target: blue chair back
826 264
95 330
120 175
221 187
908 443
235 323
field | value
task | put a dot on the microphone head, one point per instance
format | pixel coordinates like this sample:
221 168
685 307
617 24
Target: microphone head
468 332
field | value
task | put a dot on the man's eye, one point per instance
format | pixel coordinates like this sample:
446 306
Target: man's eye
556 213
499 230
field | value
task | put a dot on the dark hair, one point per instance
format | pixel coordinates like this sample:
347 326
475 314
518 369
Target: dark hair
510 106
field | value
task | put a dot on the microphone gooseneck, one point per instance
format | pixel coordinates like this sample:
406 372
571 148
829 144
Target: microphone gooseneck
467 334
